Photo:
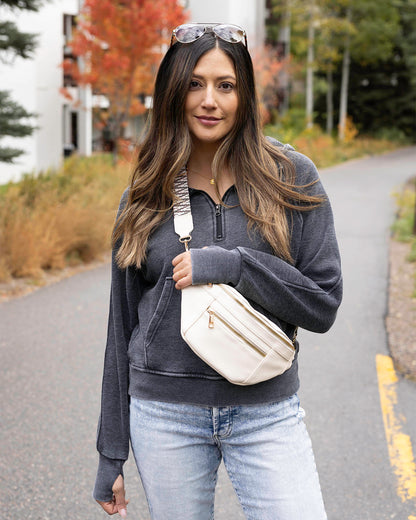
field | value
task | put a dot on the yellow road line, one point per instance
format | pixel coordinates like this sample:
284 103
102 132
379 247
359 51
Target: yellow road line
399 444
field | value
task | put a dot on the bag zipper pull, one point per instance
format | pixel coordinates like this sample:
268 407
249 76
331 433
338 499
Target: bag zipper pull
211 319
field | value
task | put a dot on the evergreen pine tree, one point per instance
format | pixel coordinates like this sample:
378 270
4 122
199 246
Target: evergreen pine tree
11 116
14 43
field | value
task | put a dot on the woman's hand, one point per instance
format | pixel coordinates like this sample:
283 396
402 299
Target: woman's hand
119 502
182 272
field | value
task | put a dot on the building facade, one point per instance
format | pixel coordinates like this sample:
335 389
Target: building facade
36 84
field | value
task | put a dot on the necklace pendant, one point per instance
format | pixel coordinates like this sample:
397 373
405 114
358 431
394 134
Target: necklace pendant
212 181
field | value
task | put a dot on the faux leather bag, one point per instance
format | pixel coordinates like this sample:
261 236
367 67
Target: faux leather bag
221 326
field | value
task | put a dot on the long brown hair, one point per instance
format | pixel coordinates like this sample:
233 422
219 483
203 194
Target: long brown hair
264 176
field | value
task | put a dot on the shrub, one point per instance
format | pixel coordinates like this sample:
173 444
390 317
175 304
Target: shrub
58 217
392 134
325 150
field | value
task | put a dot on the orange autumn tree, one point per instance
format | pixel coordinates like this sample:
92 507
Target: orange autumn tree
120 43
267 69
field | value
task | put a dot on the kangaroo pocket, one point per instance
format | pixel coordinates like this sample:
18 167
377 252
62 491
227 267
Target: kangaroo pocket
165 350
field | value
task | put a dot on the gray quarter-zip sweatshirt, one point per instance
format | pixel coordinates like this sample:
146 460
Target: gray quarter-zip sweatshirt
146 356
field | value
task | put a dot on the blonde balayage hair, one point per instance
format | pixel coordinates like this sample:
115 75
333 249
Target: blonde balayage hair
264 176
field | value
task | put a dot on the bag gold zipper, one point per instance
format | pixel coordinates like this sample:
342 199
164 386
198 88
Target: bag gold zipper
290 342
211 325
248 309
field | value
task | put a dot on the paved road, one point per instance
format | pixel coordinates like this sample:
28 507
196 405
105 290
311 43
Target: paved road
341 396
51 348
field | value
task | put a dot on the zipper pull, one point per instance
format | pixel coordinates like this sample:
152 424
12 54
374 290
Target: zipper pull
211 320
218 221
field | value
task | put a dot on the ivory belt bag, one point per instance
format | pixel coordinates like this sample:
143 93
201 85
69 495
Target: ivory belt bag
221 326
237 341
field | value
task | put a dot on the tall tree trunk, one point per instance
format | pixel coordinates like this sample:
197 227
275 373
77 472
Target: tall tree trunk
117 134
115 151
330 102
285 75
343 107
309 70
414 219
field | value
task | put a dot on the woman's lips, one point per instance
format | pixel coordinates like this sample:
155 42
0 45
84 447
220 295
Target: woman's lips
208 121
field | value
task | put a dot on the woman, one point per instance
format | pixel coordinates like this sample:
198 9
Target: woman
262 224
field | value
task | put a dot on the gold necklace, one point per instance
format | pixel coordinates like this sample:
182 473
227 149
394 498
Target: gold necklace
211 180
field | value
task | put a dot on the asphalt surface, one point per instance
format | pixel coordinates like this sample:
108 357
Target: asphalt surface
52 348
339 388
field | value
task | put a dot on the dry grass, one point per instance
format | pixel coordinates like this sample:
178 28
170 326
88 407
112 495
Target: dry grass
59 218
64 218
325 150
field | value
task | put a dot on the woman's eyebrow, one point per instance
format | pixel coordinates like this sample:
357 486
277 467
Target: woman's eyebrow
221 78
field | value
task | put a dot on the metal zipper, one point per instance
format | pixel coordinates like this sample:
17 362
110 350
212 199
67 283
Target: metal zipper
290 343
211 324
218 221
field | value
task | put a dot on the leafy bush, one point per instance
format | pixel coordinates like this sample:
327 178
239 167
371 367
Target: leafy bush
392 134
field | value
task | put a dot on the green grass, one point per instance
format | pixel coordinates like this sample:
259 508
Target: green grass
403 225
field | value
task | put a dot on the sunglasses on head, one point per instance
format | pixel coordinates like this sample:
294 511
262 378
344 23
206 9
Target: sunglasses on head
190 32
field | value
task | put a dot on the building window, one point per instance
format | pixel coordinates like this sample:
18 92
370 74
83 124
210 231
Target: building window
68 57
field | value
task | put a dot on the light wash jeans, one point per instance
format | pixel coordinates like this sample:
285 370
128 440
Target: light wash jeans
266 450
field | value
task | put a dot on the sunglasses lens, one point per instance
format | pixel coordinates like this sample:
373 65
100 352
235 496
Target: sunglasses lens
188 33
229 33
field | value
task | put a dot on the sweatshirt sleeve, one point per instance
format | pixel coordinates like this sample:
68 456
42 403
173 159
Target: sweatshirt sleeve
113 426
306 294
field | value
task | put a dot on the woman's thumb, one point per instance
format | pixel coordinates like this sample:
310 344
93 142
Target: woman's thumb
119 495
